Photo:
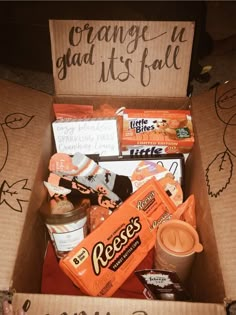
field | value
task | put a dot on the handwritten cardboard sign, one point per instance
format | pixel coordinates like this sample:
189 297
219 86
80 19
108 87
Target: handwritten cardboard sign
88 136
125 58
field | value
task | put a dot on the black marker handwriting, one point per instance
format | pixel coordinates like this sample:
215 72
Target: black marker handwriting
117 66
219 172
14 194
139 312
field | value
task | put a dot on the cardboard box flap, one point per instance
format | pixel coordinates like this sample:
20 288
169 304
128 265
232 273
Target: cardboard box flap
214 115
125 58
24 113
61 304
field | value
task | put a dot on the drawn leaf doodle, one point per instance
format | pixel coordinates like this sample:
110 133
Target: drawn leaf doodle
17 120
219 173
13 195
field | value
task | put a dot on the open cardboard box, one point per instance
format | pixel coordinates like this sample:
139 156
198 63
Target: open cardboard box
27 144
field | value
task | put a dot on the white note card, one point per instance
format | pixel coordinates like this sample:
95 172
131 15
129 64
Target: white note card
88 136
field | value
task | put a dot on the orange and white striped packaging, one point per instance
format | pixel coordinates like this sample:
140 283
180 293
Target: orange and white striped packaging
107 256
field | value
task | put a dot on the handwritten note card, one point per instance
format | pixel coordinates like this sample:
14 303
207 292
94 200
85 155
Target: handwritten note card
88 136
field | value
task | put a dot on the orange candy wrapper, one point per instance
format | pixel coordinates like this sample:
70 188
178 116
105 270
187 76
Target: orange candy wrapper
77 111
107 256
186 211
96 216
69 111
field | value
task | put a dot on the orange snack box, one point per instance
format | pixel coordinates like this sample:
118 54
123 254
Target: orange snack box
107 256
168 131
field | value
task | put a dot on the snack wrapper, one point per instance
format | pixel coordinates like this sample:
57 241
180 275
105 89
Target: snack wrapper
106 257
186 211
162 285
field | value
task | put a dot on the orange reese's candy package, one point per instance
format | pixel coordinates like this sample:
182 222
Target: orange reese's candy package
107 256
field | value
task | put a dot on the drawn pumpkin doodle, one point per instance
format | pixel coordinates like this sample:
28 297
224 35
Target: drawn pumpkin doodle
220 170
12 194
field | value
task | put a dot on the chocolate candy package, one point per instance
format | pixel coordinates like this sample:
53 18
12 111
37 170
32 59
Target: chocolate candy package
108 255
162 285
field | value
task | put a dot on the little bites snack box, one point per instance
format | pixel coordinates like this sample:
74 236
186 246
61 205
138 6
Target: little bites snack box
162 131
26 135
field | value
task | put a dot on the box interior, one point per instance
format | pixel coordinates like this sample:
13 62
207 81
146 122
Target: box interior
205 283
212 271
